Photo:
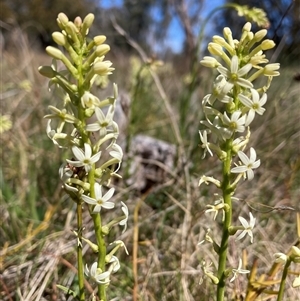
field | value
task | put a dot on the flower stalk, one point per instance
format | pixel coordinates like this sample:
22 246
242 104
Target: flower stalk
83 179
229 111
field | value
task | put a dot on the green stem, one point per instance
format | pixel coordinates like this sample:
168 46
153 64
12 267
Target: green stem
79 253
101 253
283 280
227 191
99 237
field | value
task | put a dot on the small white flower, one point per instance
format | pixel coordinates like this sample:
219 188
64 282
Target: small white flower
115 264
255 105
205 143
248 164
235 75
96 274
84 158
102 121
88 100
120 243
117 153
218 206
61 115
239 270
205 268
235 123
207 180
123 222
207 238
248 227
100 201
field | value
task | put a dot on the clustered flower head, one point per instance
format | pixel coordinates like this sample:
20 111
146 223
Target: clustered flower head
239 63
229 110
83 124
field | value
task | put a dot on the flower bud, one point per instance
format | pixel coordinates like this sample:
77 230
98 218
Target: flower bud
54 52
62 20
102 49
247 27
72 30
59 38
99 40
210 62
270 69
219 40
78 22
280 258
103 68
215 49
267 44
227 33
295 251
250 36
87 23
47 71
260 35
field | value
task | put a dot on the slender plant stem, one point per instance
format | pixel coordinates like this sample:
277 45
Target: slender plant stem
79 253
99 236
227 190
283 280
101 253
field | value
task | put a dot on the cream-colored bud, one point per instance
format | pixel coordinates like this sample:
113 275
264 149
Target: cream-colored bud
87 23
103 68
219 40
99 40
47 71
72 30
78 22
250 36
267 44
295 251
247 27
62 18
280 258
59 38
271 69
260 35
215 49
227 32
210 62
102 49
54 52
88 20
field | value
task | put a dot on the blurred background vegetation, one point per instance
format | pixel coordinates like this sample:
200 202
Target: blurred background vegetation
37 245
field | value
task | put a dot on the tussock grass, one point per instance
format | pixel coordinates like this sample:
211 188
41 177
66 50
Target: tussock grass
37 243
